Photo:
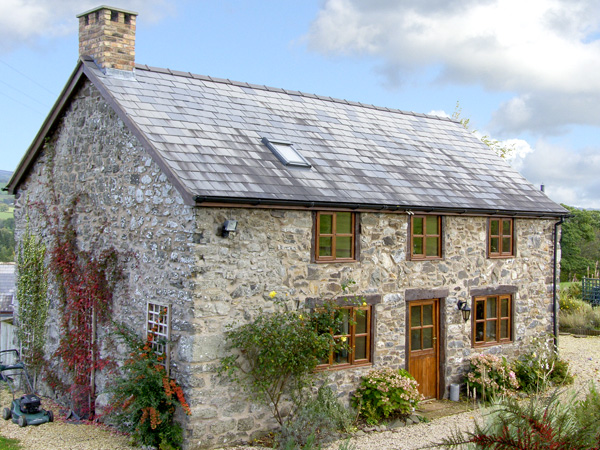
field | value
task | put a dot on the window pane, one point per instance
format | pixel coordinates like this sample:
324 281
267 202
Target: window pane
415 339
361 321
479 310
417 225
325 248
504 307
415 316
431 225
494 227
479 327
506 245
494 242
490 331
504 329
325 224
360 348
427 338
418 246
427 314
344 222
432 246
506 227
344 327
491 308
343 247
341 357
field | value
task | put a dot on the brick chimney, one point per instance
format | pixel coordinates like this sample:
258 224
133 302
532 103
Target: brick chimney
107 34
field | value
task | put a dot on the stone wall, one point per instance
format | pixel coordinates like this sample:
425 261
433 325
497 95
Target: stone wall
125 202
174 253
271 250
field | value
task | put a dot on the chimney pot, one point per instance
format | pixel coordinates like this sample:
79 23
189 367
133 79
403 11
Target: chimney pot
107 35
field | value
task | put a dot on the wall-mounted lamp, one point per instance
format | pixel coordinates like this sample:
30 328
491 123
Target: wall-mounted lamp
464 309
229 226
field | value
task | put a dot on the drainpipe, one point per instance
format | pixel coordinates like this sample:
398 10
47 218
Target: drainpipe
554 299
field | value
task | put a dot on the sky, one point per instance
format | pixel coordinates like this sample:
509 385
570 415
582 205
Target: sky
525 73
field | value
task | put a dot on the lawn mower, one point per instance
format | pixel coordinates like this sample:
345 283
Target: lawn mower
25 408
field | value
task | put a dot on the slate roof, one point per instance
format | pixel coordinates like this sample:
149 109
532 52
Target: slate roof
206 134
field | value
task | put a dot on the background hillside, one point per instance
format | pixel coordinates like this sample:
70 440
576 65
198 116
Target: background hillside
7 222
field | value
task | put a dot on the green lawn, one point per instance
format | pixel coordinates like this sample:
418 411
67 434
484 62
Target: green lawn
7 215
9 444
566 284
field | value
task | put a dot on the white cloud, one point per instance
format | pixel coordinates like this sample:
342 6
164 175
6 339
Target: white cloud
570 177
25 22
535 48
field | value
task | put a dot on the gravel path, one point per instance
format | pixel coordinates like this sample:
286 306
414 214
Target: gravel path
582 353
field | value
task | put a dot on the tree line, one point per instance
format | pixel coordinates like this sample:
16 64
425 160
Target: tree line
580 245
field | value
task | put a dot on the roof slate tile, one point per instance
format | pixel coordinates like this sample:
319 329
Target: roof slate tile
208 132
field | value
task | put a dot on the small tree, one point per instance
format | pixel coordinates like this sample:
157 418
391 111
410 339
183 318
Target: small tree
502 150
275 353
278 352
32 286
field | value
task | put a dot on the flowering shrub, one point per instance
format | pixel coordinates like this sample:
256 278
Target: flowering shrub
541 368
145 398
491 376
386 391
277 353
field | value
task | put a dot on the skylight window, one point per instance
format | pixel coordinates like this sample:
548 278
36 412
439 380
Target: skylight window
286 153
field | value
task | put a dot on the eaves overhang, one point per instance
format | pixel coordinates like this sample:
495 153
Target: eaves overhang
240 202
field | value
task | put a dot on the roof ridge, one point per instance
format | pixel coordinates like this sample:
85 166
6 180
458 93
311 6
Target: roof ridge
287 91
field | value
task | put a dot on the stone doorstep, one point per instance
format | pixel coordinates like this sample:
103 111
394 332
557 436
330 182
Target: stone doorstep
434 409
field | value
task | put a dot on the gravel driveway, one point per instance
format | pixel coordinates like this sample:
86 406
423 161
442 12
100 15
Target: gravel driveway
582 353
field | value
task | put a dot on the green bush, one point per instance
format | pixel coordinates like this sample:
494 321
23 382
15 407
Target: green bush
319 419
559 422
384 392
144 398
572 304
541 368
490 376
278 353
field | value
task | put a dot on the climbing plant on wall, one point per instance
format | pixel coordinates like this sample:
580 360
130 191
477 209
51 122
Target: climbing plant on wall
32 285
85 284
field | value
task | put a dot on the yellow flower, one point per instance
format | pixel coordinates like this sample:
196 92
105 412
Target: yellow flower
300 317
272 294
364 303
343 338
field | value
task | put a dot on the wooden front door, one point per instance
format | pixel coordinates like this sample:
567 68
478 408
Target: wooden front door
423 345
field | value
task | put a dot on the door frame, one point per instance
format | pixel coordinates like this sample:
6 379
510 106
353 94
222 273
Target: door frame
412 295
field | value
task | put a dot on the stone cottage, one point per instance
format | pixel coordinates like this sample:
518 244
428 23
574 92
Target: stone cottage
224 191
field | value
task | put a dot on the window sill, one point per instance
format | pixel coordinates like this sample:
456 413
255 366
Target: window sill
341 367
500 256
490 344
426 258
334 261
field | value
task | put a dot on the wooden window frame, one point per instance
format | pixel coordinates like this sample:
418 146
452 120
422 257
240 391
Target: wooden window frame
425 235
351 336
317 234
488 321
500 236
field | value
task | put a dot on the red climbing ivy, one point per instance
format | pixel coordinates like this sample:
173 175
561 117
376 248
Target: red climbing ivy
85 284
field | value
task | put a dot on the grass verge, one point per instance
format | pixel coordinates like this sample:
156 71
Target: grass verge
9 444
